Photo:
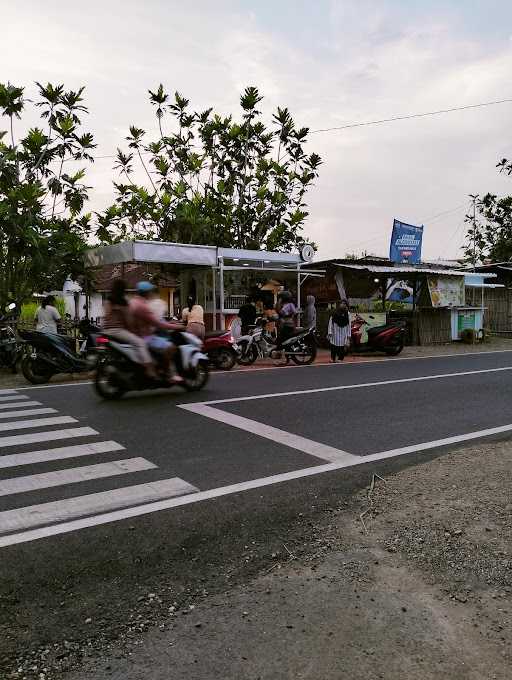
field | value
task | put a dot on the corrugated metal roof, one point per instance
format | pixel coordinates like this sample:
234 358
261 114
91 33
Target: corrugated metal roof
404 269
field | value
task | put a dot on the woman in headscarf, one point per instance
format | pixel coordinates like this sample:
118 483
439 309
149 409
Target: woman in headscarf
339 331
309 318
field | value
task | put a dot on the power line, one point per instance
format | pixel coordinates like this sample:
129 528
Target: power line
379 122
411 115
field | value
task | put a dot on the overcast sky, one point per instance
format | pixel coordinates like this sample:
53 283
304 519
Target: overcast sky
331 63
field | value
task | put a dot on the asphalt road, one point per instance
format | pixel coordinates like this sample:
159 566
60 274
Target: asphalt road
89 489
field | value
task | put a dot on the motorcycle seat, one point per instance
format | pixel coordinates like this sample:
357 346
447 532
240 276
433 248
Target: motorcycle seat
215 334
375 330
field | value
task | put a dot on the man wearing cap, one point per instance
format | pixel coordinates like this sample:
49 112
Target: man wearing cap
145 323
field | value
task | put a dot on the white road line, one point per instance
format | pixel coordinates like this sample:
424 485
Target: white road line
70 508
84 473
294 441
37 422
37 437
7 392
353 386
21 404
27 412
138 510
14 396
59 453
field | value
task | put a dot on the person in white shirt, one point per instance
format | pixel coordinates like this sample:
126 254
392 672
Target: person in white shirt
193 316
47 315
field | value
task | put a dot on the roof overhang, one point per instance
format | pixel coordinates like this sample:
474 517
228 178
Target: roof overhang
188 255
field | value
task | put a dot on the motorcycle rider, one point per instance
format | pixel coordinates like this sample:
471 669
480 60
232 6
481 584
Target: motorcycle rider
117 323
145 324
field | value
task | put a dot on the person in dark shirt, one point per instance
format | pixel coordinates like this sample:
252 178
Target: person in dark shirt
247 314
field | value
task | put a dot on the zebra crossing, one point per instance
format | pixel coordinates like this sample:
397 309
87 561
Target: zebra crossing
19 412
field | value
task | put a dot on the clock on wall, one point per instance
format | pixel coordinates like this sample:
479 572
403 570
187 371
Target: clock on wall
307 253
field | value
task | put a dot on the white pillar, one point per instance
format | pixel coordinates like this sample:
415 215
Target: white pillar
221 283
214 294
298 291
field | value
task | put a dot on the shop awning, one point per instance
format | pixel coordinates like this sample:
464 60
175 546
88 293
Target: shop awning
402 270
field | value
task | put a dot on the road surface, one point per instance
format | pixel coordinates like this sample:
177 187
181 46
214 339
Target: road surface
97 496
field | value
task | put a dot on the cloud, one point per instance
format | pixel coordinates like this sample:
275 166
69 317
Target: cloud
330 63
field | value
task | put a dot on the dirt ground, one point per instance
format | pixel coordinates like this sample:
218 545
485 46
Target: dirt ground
421 590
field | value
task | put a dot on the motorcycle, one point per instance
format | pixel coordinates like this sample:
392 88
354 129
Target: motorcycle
301 348
388 338
221 348
49 354
10 349
119 369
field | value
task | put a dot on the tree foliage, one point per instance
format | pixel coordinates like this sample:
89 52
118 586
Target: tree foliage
490 233
42 225
211 179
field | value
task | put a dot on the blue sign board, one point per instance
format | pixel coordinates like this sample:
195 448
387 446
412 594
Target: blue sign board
405 244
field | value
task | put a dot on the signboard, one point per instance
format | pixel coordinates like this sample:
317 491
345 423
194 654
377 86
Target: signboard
372 319
405 244
446 291
465 320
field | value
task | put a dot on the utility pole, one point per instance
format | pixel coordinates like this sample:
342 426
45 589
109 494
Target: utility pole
473 198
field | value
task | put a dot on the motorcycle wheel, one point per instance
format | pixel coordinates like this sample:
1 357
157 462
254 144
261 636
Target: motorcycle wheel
35 371
225 359
394 351
306 358
248 354
197 379
105 383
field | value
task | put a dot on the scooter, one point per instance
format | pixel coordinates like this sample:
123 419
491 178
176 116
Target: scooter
10 348
301 348
49 354
119 369
389 338
221 348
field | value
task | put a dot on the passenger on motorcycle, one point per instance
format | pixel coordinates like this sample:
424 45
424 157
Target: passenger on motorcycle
117 323
145 324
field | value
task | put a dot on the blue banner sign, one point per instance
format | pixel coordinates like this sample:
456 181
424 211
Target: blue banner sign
405 244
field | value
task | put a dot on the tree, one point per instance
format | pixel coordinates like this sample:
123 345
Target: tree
42 229
213 180
490 231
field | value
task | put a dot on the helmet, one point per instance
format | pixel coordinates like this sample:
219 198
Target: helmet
145 287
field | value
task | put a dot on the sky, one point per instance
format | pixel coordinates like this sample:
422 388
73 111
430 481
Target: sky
331 63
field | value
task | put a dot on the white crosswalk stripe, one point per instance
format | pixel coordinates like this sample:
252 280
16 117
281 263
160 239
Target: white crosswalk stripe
59 453
37 437
31 521
19 404
73 475
39 422
27 412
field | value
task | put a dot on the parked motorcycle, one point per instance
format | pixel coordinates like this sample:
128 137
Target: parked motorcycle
119 370
221 348
10 348
49 354
301 348
388 338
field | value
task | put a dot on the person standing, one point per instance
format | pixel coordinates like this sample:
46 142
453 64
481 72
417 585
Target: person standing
247 314
193 316
47 315
338 331
309 319
287 314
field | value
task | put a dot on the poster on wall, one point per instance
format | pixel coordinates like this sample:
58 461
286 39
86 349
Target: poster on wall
446 291
405 246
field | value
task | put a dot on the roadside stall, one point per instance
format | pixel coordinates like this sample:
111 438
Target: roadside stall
221 279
